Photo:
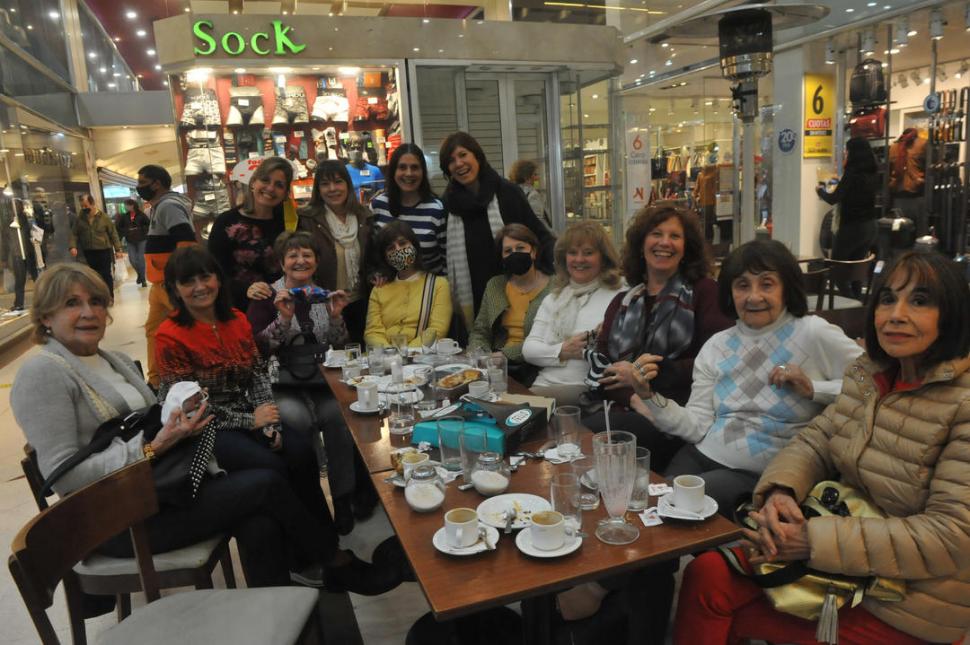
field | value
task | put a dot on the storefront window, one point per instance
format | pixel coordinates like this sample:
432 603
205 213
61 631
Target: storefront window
37 27
587 163
106 70
35 90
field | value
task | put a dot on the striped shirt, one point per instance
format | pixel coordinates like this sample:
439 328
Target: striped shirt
427 219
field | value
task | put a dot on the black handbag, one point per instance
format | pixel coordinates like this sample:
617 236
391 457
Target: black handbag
170 470
300 362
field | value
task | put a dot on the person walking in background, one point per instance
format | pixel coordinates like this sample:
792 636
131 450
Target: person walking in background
95 236
169 226
525 175
132 224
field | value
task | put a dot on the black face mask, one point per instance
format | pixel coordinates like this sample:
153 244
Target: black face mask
517 263
85 211
145 192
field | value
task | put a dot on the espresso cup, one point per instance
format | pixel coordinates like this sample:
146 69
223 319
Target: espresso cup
478 389
461 527
367 396
336 356
412 460
688 493
548 530
446 346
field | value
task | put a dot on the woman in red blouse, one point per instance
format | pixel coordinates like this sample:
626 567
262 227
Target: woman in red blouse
208 341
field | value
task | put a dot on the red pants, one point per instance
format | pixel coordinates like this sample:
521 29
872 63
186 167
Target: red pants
719 606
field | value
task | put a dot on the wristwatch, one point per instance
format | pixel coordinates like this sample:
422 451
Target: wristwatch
148 450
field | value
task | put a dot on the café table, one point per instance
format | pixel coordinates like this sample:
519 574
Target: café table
457 586
370 432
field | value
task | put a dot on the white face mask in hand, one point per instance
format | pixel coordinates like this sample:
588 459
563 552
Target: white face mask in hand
187 395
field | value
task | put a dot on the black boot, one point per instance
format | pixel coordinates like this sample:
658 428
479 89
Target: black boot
343 515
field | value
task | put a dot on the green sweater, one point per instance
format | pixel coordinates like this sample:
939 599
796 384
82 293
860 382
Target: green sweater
488 332
98 234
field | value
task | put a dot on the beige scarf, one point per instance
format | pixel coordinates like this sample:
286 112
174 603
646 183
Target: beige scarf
345 234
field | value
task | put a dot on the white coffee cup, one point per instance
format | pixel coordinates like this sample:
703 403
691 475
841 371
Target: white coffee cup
548 531
478 389
412 460
688 493
446 346
461 527
336 356
367 396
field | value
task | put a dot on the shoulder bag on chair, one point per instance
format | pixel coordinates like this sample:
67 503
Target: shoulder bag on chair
796 589
300 359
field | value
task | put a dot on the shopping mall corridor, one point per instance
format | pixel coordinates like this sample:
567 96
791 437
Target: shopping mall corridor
382 620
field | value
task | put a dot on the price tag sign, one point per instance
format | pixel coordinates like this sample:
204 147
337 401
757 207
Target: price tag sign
819 113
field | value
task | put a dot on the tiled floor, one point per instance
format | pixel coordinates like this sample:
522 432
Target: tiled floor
383 620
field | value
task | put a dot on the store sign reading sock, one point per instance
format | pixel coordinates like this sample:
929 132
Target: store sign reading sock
234 43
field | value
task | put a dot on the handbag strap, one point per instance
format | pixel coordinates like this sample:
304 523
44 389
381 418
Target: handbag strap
427 297
777 578
104 409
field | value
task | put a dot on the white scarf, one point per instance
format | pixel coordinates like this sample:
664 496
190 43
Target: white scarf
569 301
345 234
459 275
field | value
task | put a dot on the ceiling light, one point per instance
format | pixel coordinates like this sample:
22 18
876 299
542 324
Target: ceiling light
596 96
158 68
273 70
937 23
665 45
668 62
849 10
348 71
633 61
131 15
240 70
926 81
92 54
29 27
116 74
104 70
117 39
871 4
426 20
53 15
416 49
585 116
165 83
112 85
141 33
186 10
150 52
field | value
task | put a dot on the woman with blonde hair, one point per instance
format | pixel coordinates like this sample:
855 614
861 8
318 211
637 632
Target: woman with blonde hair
587 279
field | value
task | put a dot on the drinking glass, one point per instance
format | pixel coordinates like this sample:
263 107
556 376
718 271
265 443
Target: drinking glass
353 351
615 457
585 471
449 442
639 499
400 341
428 338
375 360
401 419
497 370
568 428
473 441
564 494
424 375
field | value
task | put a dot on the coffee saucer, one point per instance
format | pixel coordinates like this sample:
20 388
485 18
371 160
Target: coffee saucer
356 407
524 541
440 541
666 508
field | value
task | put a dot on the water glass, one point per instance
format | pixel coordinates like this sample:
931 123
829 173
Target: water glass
428 339
640 498
350 370
497 369
401 419
449 442
564 494
400 342
585 470
353 351
614 454
375 360
473 441
568 429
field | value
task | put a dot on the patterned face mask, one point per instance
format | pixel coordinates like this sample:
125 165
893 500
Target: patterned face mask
402 259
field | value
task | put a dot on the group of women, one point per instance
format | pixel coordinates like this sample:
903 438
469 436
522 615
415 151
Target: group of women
728 379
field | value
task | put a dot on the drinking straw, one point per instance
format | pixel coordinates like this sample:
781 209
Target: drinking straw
606 410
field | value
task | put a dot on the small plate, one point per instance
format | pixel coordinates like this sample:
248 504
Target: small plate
356 407
440 541
363 378
665 508
492 510
412 396
400 482
450 352
552 456
524 541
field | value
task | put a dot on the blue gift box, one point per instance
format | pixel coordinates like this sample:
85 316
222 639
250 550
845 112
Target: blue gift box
478 430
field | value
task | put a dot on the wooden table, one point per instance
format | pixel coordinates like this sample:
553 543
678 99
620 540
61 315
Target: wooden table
456 586
370 432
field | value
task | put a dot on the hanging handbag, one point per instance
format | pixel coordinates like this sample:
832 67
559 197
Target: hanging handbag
300 362
796 589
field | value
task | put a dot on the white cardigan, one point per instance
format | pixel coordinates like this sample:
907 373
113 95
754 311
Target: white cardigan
538 351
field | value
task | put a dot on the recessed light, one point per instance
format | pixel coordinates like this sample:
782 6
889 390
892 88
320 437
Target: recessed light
849 10
141 33
596 96
633 61
416 49
29 27
92 54
238 70
116 74
158 68
150 52
117 39
131 15
871 4
104 70
426 20
186 10
668 62
112 85
140 76
585 116
165 83
53 15
665 45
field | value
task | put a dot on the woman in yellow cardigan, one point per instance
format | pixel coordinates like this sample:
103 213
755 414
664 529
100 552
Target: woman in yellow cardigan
414 300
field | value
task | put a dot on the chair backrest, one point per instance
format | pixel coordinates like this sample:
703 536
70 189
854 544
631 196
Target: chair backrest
48 547
720 250
35 479
851 270
851 320
814 282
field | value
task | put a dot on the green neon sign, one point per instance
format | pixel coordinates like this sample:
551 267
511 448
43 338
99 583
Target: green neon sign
262 43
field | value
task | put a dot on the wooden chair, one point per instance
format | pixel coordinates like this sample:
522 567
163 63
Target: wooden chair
849 271
46 550
103 575
814 282
851 320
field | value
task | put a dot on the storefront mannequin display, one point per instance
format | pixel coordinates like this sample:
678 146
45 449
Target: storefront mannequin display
705 195
907 172
18 252
44 218
363 174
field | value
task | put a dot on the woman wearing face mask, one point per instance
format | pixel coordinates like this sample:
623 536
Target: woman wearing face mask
669 314
341 228
755 384
512 300
242 238
409 199
414 301
479 203
587 280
